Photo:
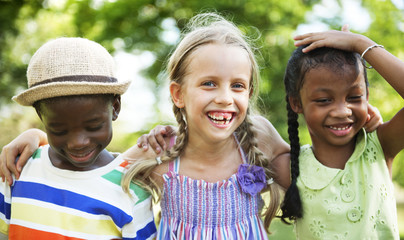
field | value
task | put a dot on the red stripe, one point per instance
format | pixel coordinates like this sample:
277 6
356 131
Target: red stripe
124 164
19 232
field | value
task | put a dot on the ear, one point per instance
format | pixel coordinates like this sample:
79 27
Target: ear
116 107
176 95
295 104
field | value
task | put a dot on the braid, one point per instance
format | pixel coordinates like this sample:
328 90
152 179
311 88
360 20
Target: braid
292 205
182 135
249 143
141 169
139 173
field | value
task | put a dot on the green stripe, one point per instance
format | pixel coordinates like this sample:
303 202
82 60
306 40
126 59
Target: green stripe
115 176
37 153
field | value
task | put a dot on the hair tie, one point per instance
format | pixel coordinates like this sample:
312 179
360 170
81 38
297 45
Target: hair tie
158 159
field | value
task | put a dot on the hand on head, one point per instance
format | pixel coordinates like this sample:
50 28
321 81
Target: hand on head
343 40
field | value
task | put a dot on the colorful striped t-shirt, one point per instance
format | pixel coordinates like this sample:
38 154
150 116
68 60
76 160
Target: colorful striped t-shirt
52 203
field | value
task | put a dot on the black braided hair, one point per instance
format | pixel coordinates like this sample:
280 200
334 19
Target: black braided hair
292 206
298 65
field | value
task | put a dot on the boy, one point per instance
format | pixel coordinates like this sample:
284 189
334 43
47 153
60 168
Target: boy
71 188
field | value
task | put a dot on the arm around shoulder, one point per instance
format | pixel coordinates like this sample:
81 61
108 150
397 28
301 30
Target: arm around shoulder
269 140
275 149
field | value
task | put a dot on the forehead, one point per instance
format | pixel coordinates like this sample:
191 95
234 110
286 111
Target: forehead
216 57
324 77
85 104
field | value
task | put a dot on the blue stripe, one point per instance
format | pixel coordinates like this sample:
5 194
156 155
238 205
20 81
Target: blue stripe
5 208
144 233
70 199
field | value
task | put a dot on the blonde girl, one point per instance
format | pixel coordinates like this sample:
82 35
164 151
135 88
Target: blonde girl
210 181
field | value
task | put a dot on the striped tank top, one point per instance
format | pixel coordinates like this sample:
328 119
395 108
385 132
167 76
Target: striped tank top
196 209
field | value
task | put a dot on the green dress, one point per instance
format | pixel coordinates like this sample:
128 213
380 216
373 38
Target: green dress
354 203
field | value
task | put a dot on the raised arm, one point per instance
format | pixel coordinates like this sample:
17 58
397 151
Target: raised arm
23 146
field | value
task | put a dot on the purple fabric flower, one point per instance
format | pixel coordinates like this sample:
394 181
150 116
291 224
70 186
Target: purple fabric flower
251 178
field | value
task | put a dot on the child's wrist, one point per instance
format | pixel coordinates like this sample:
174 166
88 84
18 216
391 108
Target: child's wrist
362 44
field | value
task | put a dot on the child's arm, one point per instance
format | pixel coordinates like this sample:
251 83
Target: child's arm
275 149
269 142
156 138
23 146
134 153
388 66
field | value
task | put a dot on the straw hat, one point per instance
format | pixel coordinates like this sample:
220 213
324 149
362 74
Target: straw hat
70 66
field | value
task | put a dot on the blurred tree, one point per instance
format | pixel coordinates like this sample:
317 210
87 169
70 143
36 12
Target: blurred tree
12 73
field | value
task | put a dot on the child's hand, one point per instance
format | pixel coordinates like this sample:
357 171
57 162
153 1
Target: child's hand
374 119
23 146
156 138
344 40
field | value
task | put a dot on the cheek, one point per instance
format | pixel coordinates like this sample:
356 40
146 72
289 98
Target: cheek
243 100
55 142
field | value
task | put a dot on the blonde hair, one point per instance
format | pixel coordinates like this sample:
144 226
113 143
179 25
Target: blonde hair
203 29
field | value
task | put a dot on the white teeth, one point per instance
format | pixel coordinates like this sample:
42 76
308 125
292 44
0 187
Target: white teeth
221 122
339 129
220 118
217 117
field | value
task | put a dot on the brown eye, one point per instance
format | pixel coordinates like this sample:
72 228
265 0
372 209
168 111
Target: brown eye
95 128
323 100
354 98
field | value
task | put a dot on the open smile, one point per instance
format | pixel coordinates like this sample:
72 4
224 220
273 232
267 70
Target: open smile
341 129
221 118
81 157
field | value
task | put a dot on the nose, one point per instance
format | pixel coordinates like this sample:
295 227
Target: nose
224 97
341 110
78 140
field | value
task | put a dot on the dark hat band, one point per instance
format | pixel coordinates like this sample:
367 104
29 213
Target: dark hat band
78 78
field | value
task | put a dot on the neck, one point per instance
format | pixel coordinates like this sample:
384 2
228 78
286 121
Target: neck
211 162
210 152
340 154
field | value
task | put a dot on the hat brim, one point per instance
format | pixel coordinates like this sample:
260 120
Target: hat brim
59 89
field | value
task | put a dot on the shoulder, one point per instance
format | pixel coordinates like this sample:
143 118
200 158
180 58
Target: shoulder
158 173
269 140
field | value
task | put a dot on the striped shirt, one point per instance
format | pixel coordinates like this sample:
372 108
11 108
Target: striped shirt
196 209
52 203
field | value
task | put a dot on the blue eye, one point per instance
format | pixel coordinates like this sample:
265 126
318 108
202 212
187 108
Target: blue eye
208 84
238 85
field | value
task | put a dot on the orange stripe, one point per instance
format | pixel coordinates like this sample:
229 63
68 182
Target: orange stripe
19 232
124 164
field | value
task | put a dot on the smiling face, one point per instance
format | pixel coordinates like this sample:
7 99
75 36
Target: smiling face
334 105
79 129
215 91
